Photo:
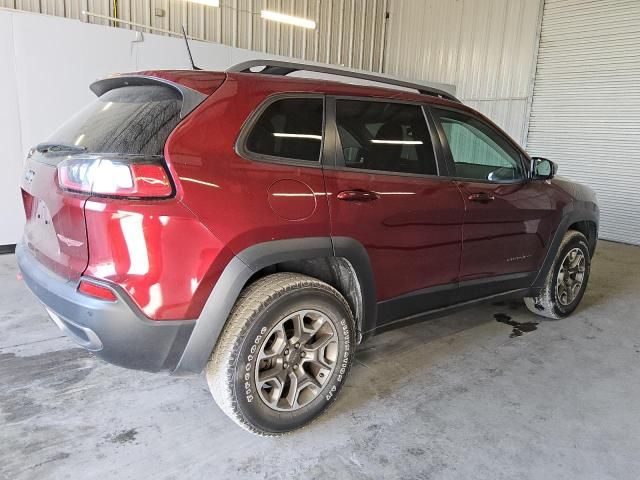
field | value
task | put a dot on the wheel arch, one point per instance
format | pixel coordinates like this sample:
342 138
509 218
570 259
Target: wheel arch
581 216
589 228
339 261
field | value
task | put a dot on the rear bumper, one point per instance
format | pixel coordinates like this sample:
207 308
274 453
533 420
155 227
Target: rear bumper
116 331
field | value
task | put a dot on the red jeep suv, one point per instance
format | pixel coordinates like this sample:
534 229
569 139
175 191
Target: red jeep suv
259 226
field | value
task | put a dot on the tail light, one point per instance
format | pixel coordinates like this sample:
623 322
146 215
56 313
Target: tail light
115 177
27 201
96 291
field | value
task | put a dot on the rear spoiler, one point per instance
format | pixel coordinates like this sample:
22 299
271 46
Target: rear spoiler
190 98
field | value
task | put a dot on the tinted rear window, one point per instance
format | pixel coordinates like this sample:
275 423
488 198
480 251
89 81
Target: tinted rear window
133 120
289 128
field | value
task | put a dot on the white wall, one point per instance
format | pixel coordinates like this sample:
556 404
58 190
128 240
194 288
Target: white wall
349 32
47 64
11 212
485 47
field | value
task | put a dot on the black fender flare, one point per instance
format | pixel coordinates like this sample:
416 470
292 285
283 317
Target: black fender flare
356 254
577 212
239 270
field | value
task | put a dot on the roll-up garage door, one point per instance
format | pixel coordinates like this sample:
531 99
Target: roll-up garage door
586 104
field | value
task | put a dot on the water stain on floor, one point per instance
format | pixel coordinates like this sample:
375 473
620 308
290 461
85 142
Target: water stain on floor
518 328
123 437
22 376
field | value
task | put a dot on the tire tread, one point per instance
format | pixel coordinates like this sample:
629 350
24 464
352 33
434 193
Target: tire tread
220 368
543 304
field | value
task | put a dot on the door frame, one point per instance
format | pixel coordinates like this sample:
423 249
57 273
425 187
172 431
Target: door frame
426 303
333 157
415 303
469 290
525 160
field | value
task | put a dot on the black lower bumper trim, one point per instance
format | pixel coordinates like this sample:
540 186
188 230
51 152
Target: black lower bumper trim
115 331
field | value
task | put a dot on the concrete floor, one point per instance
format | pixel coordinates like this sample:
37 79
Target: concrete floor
457 397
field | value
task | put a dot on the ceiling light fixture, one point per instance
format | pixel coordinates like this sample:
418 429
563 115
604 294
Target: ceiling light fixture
282 18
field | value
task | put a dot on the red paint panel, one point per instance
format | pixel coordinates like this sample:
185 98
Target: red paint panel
508 234
292 199
54 230
228 193
413 240
162 256
412 231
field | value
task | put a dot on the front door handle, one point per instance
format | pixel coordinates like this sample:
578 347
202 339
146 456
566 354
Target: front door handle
357 196
481 197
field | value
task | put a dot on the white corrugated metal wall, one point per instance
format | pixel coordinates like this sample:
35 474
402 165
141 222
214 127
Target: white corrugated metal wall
348 32
586 105
584 113
486 48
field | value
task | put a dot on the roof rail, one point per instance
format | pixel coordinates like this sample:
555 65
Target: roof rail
278 67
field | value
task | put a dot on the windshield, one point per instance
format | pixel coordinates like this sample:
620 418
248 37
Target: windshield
132 120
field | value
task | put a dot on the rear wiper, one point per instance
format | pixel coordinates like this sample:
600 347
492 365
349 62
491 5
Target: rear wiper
59 147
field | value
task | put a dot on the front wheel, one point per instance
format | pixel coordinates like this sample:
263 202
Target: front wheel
284 354
567 280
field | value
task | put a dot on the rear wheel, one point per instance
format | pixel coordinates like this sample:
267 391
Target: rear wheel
567 280
283 355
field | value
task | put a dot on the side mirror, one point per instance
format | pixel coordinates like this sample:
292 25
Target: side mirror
543 168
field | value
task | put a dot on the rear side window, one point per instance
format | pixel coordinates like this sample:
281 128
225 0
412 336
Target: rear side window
385 136
290 128
131 120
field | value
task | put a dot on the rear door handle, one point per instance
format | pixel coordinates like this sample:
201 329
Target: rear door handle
481 197
357 196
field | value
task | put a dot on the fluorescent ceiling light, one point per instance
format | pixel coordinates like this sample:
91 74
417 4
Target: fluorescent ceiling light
209 3
281 17
398 142
297 135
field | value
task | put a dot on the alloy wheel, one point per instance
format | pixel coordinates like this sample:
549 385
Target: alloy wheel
297 358
570 276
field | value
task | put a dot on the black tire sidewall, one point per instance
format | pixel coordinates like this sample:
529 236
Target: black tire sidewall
245 393
577 242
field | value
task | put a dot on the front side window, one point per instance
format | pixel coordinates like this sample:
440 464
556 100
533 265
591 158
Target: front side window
390 137
290 128
478 151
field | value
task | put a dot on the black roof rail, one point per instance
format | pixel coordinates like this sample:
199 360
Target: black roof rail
278 67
